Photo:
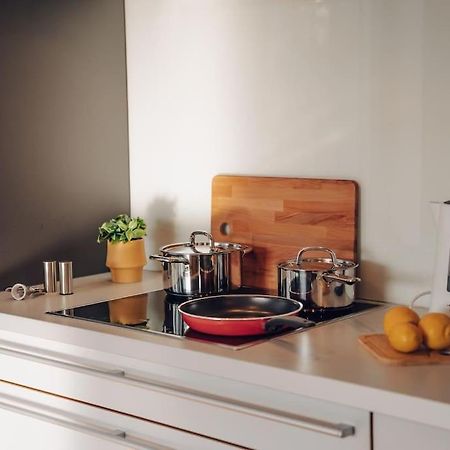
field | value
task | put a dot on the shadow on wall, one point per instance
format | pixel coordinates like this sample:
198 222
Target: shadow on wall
77 249
378 276
161 224
63 133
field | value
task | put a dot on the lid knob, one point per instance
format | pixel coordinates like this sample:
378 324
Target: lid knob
201 233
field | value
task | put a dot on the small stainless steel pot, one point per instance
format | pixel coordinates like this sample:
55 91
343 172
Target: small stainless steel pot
202 268
318 282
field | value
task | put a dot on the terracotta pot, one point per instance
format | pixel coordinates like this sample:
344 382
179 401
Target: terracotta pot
128 311
126 260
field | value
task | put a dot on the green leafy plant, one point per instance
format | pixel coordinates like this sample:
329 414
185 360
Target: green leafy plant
122 228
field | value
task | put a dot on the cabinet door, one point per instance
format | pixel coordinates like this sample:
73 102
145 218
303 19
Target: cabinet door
237 413
33 419
21 431
391 433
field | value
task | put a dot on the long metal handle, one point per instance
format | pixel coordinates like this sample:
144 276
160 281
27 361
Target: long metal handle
308 423
67 421
329 277
61 362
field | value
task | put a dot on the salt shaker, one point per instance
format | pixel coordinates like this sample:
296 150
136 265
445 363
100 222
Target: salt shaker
65 278
49 276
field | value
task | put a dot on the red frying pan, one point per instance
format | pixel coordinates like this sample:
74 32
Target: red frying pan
242 314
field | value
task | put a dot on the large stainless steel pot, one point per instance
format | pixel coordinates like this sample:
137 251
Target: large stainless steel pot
319 282
198 268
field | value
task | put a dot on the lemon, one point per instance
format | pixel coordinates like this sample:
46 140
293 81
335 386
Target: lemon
399 314
436 330
405 337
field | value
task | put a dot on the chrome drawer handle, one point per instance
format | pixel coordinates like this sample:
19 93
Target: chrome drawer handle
339 430
65 421
63 362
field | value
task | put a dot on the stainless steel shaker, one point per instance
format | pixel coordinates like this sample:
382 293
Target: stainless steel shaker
50 276
65 278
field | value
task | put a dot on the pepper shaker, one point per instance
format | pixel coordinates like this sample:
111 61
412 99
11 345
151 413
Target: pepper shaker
65 278
49 276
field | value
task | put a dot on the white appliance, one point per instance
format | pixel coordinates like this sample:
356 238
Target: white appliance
440 290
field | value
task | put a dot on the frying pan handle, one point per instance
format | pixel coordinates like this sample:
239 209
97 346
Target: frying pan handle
278 324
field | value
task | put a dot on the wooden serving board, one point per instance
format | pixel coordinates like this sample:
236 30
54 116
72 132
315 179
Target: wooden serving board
378 345
279 216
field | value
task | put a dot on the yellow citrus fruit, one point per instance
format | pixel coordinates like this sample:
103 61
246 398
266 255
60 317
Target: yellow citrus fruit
399 314
436 330
405 337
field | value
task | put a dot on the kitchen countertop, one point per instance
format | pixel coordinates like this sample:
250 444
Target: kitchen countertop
325 362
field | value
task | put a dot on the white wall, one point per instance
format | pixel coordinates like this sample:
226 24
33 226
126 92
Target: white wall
355 89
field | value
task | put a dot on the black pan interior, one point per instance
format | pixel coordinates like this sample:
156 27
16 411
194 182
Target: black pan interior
240 306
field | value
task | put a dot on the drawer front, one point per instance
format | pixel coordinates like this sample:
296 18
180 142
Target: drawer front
24 431
392 433
34 419
254 424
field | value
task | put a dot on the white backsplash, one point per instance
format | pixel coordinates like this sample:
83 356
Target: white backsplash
354 89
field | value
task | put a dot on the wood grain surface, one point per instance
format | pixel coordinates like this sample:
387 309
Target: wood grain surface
279 216
378 345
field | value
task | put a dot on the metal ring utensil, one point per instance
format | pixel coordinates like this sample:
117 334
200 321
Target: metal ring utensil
19 291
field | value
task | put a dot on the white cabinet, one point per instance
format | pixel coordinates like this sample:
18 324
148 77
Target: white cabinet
391 433
33 419
240 414
22 431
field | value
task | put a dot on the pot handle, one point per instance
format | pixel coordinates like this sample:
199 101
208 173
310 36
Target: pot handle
246 249
278 324
170 259
201 233
329 277
317 249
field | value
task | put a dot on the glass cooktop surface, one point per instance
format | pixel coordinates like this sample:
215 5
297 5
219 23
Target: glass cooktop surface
157 312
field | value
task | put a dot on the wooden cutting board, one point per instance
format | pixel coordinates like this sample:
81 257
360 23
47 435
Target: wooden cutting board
378 345
279 216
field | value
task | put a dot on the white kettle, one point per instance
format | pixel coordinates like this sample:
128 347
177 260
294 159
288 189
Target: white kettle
440 291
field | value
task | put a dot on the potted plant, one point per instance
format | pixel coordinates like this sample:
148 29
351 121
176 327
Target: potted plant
125 255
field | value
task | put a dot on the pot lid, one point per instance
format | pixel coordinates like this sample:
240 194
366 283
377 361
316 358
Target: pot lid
196 247
322 264
308 265
185 248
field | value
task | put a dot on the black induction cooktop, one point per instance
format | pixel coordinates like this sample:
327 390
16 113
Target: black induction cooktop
157 312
